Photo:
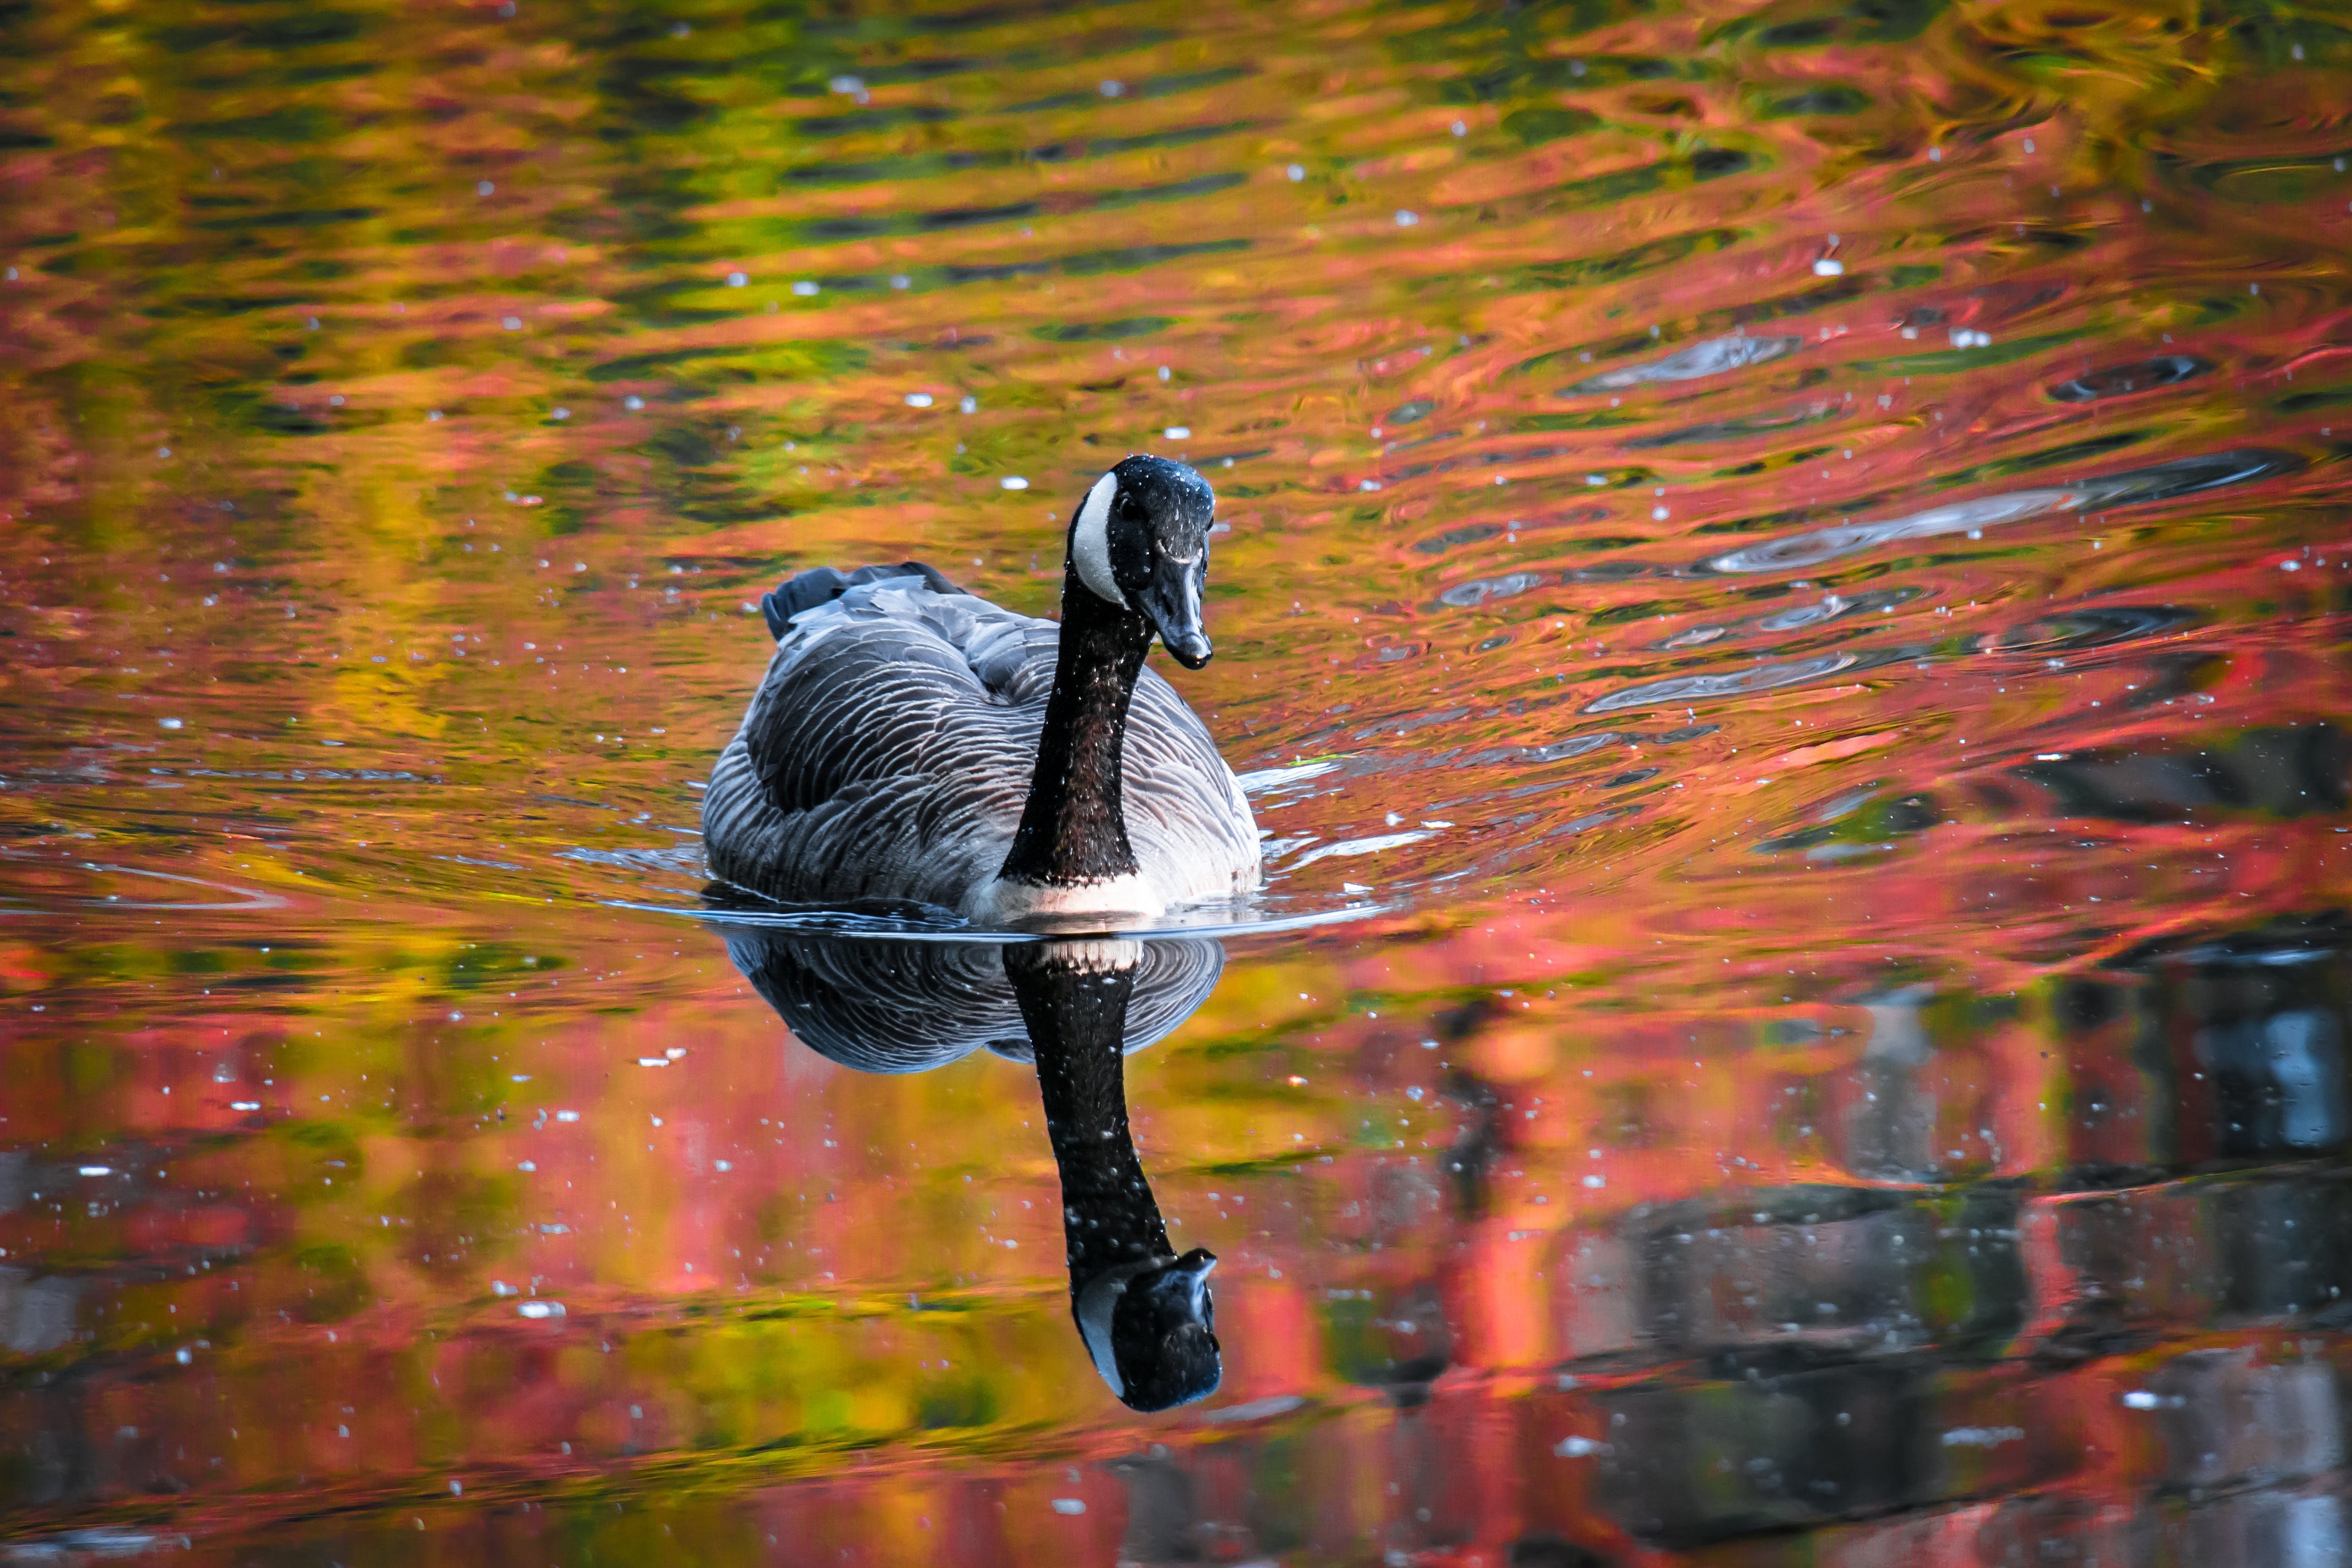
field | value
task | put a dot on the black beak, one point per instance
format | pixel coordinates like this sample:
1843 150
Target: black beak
1173 600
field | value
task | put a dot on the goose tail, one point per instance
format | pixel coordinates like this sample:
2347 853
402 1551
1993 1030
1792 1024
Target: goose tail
822 584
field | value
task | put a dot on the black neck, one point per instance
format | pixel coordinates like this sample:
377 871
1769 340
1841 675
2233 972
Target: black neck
1072 829
1075 1000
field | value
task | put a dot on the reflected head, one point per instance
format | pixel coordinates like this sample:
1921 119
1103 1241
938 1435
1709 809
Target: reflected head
1151 1329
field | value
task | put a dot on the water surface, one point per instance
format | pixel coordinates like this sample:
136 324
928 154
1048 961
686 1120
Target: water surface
1786 572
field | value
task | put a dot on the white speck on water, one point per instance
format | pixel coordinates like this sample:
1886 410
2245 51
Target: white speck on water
1069 1505
540 1308
167 723
653 1061
632 402
98 1170
722 1165
1981 1437
919 400
848 86
804 288
511 324
245 1105
1460 129
1829 266
1405 219
484 187
737 280
901 280
1575 1448
1178 432
528 1165
1371 845
1297 172
567 1116
967 406
1112 88
1014 482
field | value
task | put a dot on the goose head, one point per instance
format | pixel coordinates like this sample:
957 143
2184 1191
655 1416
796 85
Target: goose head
1151 1330
1140 541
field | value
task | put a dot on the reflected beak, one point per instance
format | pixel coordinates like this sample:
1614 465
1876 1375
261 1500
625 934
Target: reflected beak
1187 1279
1184 1284
1172 601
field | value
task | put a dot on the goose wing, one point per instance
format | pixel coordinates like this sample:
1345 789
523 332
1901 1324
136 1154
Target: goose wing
1186 816
887 752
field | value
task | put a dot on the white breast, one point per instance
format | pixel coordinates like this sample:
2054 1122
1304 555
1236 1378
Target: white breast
998 901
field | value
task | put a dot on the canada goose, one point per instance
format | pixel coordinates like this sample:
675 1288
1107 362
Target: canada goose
911 741
1073 1008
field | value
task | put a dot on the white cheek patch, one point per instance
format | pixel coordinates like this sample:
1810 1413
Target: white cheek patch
1096 1302
1090 542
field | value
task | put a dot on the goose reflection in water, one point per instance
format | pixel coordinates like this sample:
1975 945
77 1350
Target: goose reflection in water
1073 1007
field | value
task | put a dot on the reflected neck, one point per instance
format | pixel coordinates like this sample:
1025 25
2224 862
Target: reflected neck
1072 828
1073 998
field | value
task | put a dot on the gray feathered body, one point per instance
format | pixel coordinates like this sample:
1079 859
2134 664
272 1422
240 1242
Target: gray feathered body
879 1006
888 751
